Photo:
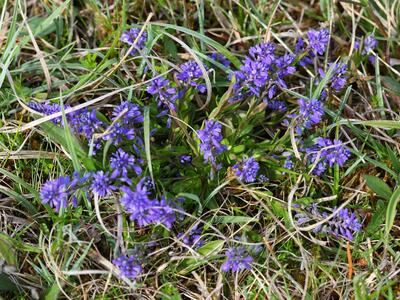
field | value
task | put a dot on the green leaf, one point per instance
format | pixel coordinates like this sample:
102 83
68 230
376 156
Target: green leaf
211 248
170 48
19 181
146 128
49 21
20 200
193 197
58 135
377 219
6 284
384 124
52 292
215 191
392 84
70 141
7 252
279 210
233 219
391 211
321 85
378 186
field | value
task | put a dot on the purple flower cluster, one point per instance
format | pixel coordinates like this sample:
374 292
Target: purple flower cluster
185 159
263 178
338 79
237 258
310 113
277 105
218 57
126 117
57 192
190 74
192 238
129 37
326 153
262 73
47 108
210 138
247 170
319 40
370 43
128 266
102 183
288 164
86 123
144 210
344 224
165 94
121 162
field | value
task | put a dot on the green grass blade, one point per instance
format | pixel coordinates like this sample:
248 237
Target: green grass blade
146 128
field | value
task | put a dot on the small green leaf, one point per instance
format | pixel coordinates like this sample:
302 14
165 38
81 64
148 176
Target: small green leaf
391 211
377 218
193 197
52 292
378 186
212 247
392 84
170 48
7 252
233 219
6 284
146 128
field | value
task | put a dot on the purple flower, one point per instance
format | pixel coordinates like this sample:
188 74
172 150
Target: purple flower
318 40
284 65
247 170
86 122
56 192
310 112
82 122
370 43
127 113
338 79
300 49
263 52
190 71
130 35
185 159
263 178
144 210
165 94
211 138
277 105
344 224
129 267
253 75
47 108
328 153
125 117
261 73
121 162
334 151
220 58
192 238
102 183
237 258
167 211
288 164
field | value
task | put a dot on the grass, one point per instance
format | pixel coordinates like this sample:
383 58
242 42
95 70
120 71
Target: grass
69 52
